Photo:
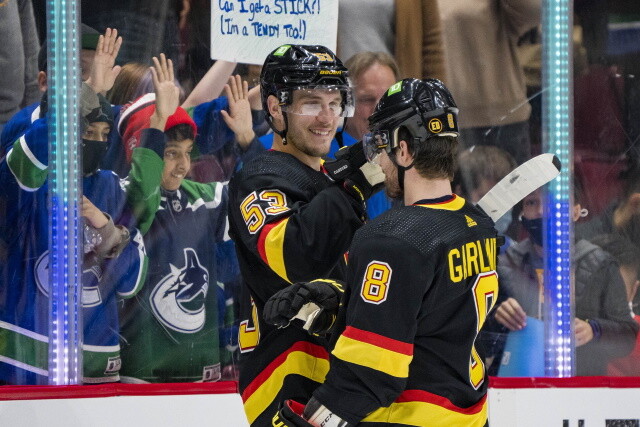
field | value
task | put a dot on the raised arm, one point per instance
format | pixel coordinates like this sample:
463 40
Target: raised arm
211 85
167 93
103 70
239 116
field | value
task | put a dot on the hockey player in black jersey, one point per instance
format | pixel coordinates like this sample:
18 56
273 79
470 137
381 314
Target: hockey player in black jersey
292 218
421 280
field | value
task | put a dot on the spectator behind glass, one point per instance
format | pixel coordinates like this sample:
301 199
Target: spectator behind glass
603 326
479 169
622 216
113 264
172 330
372 73
484 72
409 30
213 132
18 58
20 122
126 87
628 256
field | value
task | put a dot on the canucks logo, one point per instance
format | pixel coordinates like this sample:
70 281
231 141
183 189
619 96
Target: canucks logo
91 276
178 300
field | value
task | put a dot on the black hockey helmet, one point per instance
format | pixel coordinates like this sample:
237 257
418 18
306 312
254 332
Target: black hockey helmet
298 67
424 107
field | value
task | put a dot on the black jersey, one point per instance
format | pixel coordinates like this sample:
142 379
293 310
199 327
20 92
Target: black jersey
421 282
290 224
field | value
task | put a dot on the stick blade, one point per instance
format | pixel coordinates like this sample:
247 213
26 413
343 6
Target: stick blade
524 179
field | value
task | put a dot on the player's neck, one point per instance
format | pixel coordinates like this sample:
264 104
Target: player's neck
311 161
419 188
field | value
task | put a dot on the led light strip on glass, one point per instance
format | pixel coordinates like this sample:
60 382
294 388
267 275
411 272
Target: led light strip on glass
557 113
64 192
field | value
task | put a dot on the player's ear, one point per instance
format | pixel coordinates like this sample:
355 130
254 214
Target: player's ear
403 155
274 107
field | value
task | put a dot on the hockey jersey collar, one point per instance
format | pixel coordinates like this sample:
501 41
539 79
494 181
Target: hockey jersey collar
450 202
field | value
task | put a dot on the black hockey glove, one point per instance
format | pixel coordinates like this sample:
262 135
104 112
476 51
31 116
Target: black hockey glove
350 168
315 303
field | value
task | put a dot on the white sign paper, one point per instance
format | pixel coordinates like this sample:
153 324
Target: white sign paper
247 31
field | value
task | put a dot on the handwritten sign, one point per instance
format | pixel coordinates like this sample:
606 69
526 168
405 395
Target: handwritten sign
248 30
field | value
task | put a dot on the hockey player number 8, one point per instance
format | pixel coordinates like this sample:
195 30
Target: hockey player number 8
485 292
376 282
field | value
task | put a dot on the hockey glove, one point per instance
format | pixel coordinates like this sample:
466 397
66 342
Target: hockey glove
316 303
350 168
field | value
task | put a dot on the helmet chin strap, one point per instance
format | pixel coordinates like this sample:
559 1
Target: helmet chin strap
400 169
283 133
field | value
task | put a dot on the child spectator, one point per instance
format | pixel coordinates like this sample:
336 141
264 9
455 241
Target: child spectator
172 329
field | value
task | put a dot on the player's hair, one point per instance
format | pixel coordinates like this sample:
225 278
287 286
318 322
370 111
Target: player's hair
362 61
435 158
180 132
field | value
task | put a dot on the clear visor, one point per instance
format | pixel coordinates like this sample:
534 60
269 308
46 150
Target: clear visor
374 143
336 101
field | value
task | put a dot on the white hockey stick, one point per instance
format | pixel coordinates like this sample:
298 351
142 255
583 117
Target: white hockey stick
521 181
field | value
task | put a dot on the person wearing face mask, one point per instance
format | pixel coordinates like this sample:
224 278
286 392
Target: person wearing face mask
603 327
113 264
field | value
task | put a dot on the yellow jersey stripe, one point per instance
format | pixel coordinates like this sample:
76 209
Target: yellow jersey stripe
296 363
422 413
372 356
274 249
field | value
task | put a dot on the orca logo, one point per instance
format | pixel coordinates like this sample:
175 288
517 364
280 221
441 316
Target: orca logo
178 300
91 276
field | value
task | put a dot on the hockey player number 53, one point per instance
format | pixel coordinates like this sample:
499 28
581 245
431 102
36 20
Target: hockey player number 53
485 292
255 208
